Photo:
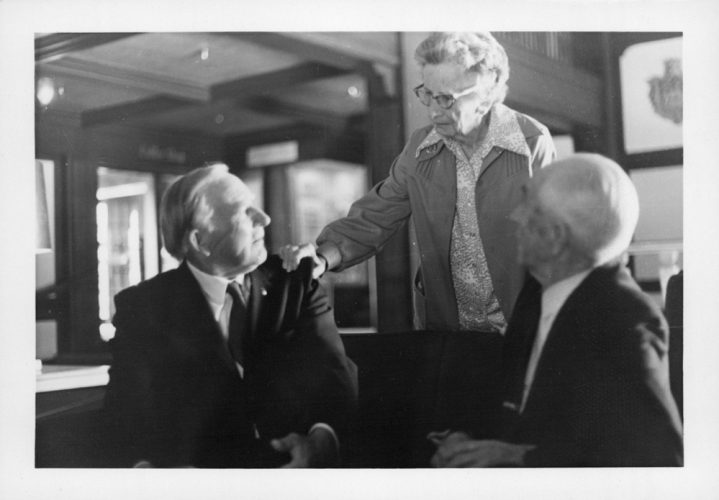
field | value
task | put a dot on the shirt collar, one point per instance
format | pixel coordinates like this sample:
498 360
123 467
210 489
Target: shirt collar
213 287
432 138
504 132
554 296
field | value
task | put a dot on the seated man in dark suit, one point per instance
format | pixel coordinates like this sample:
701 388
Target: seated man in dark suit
228 360
585 356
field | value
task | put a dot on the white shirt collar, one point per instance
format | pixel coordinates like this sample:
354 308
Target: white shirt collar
554 296
214 288
504 132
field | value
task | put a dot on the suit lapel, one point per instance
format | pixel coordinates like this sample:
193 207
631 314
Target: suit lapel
195 327
258 293
519 340
578 311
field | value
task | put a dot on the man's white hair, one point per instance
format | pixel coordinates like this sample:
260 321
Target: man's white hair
183 206
597 200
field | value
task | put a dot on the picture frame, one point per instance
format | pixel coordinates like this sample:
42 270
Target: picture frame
650 101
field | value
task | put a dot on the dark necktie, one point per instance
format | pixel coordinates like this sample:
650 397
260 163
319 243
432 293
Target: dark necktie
238 320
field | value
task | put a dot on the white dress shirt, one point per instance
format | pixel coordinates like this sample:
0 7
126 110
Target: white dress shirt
214 288
553 298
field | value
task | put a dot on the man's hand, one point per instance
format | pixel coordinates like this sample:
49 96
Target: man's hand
293 254
458 450
317 449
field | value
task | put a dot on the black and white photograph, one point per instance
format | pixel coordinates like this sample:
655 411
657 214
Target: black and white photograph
408 254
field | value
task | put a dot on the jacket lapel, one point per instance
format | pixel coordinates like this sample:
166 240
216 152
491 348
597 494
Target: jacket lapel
489 159
437 168
258 293
194 326
508 138
519 341
559 350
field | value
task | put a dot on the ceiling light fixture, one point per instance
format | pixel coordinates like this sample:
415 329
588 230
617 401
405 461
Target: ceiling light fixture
353 91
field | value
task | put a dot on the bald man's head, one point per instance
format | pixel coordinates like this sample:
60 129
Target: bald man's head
594 201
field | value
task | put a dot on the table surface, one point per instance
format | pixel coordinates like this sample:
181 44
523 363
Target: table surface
63 377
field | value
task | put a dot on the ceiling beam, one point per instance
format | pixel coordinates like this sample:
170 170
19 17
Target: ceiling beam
348 51
56 45
236 144
124 112
305 114
306 47
233 90
267 82
124 77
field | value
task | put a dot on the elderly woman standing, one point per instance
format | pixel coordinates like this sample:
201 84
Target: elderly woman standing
459 179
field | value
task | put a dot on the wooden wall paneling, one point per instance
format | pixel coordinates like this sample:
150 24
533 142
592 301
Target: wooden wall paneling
554 90
384 143
83 336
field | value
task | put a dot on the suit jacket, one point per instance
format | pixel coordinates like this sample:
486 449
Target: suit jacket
175 396
600 395
674 312
424 187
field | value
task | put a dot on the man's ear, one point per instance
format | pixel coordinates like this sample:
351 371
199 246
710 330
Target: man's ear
195 241
558 237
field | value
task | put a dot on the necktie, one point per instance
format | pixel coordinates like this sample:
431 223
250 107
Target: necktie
238 320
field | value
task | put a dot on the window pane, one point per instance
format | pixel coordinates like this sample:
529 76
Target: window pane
45 272
318 192
127 236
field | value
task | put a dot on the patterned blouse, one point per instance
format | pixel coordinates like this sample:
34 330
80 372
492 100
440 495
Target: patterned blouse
477 304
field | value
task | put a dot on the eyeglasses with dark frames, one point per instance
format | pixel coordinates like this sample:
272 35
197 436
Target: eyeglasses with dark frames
445 101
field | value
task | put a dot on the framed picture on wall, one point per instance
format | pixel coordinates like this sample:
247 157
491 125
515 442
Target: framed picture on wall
651 83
